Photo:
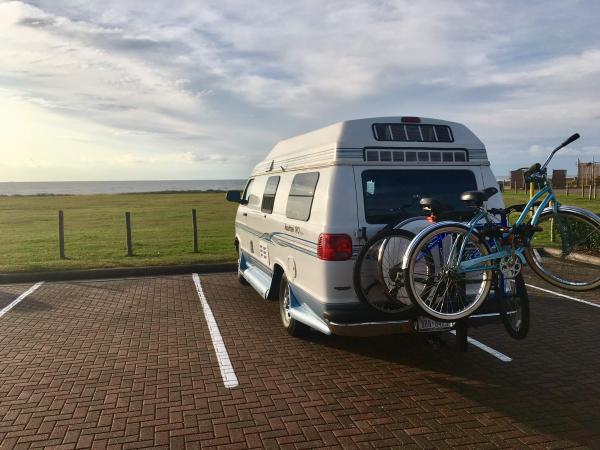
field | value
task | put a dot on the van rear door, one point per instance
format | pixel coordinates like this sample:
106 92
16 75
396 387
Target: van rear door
391 194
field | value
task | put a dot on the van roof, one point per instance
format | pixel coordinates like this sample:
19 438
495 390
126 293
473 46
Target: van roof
347 143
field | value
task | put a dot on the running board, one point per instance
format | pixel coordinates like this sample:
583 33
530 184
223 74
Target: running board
259 280
304 314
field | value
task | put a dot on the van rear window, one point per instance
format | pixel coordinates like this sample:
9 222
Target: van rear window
301 196
412 133
394 194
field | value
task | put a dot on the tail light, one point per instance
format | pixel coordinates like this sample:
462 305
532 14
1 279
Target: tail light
409 119
334 247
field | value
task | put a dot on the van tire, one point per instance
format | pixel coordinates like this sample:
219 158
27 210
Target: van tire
292 326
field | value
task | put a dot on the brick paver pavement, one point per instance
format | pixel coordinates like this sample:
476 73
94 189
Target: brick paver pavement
129 364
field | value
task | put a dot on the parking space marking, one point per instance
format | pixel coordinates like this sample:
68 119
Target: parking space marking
575 299
20 298
486 348
227 373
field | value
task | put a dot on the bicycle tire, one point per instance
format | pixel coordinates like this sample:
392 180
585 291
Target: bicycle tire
370 253
548 265
513 305
454 285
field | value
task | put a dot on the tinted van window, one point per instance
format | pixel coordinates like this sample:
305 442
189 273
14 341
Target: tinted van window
395 194
301 196
268 199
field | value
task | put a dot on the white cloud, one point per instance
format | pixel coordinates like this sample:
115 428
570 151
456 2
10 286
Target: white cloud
164 78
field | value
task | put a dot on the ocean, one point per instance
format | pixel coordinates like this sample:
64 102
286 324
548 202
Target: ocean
115 187
119 187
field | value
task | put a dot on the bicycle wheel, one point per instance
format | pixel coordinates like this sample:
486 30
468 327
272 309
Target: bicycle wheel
441 291
377 273
566 253
513 304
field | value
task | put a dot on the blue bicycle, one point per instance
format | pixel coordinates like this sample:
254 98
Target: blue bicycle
450 267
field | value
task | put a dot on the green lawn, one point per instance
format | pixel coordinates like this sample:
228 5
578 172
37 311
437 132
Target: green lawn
162 229
95 230
513 198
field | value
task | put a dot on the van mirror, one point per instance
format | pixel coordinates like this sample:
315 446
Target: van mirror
234 196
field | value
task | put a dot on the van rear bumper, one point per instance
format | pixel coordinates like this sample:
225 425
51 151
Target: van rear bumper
379 328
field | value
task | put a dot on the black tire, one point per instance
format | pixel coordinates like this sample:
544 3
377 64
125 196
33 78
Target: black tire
370 282
462 336
423 288
513 304
292 326
568 272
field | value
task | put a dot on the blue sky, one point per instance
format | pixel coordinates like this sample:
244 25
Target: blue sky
183 89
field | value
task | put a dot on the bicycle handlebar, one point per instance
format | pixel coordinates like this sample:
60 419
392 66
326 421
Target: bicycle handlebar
572 138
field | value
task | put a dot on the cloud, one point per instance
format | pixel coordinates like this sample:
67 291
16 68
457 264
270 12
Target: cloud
203 157
163 78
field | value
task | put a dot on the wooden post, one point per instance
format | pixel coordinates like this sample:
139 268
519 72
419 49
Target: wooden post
128 230
61 234
567 187
590 192
551 204
195 225
593 178
582 190
531 189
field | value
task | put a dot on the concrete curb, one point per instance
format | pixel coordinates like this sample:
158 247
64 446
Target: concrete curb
116 272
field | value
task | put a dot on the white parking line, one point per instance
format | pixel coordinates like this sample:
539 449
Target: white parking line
575 299
227 372
501 356
21 297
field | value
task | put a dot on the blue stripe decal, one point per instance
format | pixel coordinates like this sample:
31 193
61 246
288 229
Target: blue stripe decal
283 239
255 262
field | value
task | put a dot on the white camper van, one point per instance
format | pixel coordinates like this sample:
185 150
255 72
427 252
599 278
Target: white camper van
310 205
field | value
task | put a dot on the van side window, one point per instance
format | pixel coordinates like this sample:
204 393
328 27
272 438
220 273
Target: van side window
269 195
251 196
247 189
301 196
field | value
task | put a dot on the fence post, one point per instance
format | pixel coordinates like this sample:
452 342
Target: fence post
567 186
582 190
61 234
195 225
590 192
128 230
551 205
531 189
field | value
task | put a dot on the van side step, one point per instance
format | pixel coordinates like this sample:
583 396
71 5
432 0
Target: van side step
259 280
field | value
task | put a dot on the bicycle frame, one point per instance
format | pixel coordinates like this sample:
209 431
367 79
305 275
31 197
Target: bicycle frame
500 251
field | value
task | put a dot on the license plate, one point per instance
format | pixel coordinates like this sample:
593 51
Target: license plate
427 324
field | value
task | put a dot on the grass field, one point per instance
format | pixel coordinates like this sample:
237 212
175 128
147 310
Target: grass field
161 223
513 198
95 230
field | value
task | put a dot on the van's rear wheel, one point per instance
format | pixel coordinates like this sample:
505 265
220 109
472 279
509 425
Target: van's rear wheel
291 325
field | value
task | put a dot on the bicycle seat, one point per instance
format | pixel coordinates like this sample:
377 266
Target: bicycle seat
476 198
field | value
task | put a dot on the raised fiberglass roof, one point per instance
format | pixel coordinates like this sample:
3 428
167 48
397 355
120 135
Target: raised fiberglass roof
346 142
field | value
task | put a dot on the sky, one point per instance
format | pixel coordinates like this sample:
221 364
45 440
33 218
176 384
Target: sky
178 89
